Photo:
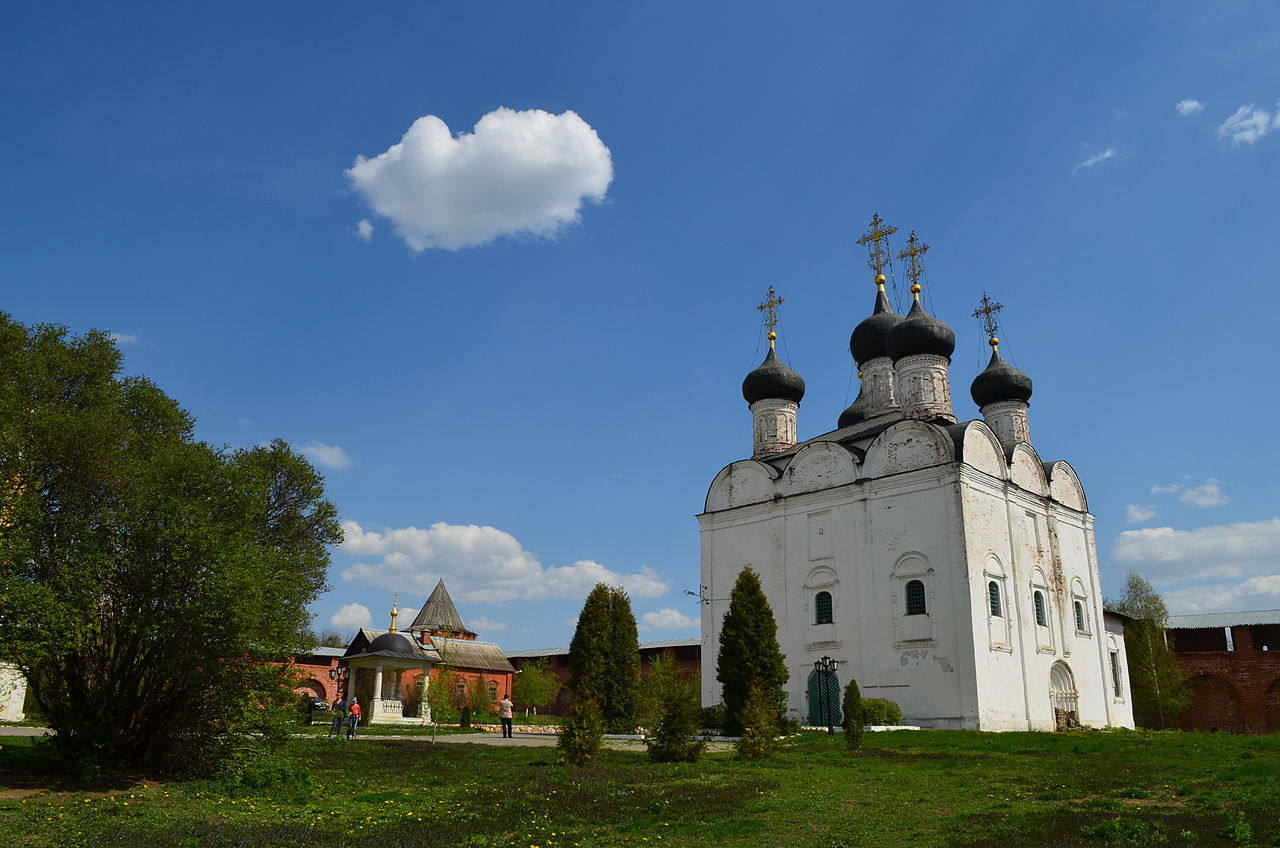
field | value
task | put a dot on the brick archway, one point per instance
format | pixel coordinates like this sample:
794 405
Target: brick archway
1215 706
1271 707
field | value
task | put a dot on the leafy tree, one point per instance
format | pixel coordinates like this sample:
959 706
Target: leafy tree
749 653
853 720
675 737
536 684
1159 685
478 695
138 564
441 694
333 638
604 657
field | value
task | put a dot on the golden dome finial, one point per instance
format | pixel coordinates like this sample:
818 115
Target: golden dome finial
915 290
772 338
880 281
394 612
995 343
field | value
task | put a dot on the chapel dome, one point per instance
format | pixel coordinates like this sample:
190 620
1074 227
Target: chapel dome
855 414
919 333
394 642
773 379
1000 381
868 338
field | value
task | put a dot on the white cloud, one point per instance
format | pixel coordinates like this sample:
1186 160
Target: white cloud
667 619
1248 125
351 616
1206 496
480 564
123 338
484 624
1256 593
517 172
329 456
1189 107
1166 490
1222 551
1139 514
1096 159
364 229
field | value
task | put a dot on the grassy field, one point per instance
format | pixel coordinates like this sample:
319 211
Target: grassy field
904 788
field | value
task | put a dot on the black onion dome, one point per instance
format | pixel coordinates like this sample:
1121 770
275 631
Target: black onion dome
867 340
773 379
397 643
1000 381
855 414
920 332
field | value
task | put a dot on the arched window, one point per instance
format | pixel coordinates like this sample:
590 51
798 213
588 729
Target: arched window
993 597
1079 616
915 598
1042 618
822 608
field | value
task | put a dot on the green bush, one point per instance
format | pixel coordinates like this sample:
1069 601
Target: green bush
1120 831
675 739
712 717
853 716
583 735
759 719
880 711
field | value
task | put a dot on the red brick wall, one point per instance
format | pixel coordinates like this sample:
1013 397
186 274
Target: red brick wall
1233 691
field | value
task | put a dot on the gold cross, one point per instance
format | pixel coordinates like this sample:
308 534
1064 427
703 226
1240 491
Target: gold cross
987 313
770 310
915 251
877 256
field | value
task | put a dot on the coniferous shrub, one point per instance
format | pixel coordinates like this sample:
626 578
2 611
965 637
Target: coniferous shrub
853 716
676 738
749 653
712 717
880 711
759 720
582 736
604 657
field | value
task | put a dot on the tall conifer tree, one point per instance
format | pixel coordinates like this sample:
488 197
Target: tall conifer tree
604 657
749 652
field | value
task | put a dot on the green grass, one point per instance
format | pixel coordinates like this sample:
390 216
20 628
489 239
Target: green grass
908 788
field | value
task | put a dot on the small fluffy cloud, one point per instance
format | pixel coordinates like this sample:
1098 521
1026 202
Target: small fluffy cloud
667 619
1206 496
482 564
1188 107
1165 490
1096 159
351 616
1248 125
364 229
328 456
1139 514
484 624
516 172
123 338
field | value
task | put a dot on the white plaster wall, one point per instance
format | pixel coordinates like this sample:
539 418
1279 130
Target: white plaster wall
13 693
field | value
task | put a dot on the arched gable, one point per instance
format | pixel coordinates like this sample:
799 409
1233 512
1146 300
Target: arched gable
1026 471
910 563
906 446
979 448
819 466
1064 486
821 576
740 483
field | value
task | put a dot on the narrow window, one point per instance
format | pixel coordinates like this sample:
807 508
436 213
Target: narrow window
915 598
822 608
460 690
1042 618
1115 673
993 597
493 692
1079 616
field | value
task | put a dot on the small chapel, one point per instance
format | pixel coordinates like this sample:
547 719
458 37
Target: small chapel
939 563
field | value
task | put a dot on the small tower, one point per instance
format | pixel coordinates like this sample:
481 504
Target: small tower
921 347
1001 391
773 392
879 389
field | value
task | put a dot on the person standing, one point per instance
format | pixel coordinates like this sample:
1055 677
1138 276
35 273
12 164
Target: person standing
353 717
505 714
339 717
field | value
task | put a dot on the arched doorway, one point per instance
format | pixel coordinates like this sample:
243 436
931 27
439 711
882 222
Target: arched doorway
824 698
1271 707
1215 706
1064 698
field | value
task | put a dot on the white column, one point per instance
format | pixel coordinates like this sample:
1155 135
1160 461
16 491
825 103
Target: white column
376 706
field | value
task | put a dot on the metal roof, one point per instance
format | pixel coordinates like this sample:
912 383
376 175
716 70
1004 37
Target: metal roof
323 651
644 646
1223 619
464 653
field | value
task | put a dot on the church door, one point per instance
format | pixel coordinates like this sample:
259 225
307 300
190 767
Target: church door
824 698
1064 697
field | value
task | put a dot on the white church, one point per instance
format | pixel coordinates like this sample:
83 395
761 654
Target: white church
942 564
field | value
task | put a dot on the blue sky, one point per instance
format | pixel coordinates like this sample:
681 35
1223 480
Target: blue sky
515 344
